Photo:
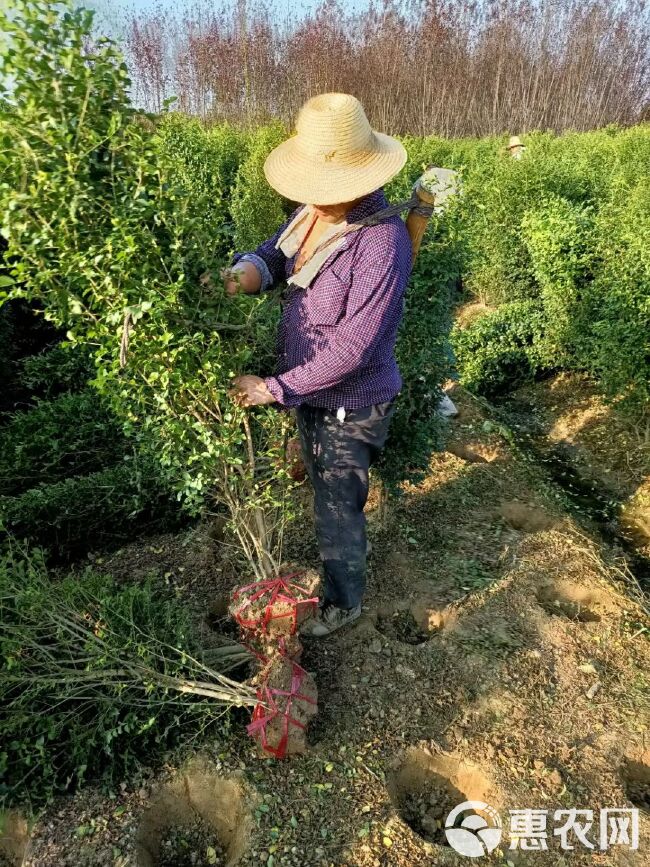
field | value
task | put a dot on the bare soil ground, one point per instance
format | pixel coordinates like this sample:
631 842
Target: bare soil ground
502 656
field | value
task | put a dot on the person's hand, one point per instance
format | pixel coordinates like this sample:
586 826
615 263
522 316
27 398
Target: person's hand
242 277
251 391
231 281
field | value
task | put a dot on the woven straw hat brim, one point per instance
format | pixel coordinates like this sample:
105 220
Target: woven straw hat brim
318 181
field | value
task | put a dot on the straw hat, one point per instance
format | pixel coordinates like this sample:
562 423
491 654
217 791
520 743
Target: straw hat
335 156
515 142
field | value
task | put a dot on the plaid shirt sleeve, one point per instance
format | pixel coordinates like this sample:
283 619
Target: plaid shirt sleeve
374 303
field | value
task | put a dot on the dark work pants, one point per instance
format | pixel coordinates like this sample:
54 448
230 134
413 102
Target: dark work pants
338 456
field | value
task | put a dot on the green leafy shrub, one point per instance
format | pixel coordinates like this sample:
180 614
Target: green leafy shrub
616 347
501 349
566 227
500 191
257 209
73 434
100 510
108 236
6 330
205 163
560 242
23 332
90 676
423 355
58 369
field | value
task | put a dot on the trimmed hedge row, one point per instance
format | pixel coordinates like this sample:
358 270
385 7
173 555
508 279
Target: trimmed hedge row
501 349
58 369
72 434
566 228
100 510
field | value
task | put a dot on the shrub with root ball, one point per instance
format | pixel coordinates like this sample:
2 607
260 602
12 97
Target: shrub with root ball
106 235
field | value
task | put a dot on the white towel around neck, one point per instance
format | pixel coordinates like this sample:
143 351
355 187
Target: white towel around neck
292 238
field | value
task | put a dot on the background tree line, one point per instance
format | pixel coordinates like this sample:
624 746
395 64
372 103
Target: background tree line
419 67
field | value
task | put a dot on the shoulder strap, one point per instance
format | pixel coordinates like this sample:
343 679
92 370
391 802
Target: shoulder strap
373 220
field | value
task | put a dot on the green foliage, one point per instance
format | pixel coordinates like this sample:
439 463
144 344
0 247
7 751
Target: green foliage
501 349
22 332
90 676
257 209
205 163
58 369
6 333
111 238
559 238
566 228
72 434
85 513
500 191
422 354
616 347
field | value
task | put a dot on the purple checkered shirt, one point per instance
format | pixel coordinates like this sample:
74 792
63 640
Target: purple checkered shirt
336 338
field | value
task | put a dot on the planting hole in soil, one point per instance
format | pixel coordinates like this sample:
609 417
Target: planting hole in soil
425 811
415 624
193 845
198 819
564 599
400 625
474 453
525 517
636 778
429 617
425 788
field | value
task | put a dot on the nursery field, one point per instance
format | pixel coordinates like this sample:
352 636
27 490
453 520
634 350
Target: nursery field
502 655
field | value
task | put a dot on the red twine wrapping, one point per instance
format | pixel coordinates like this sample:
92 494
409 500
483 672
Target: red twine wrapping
281 598
268 710
278 590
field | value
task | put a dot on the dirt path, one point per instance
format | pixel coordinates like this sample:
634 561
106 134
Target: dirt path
501 658
597 456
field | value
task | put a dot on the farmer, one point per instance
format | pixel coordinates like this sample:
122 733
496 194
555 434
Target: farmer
516 147
337 334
